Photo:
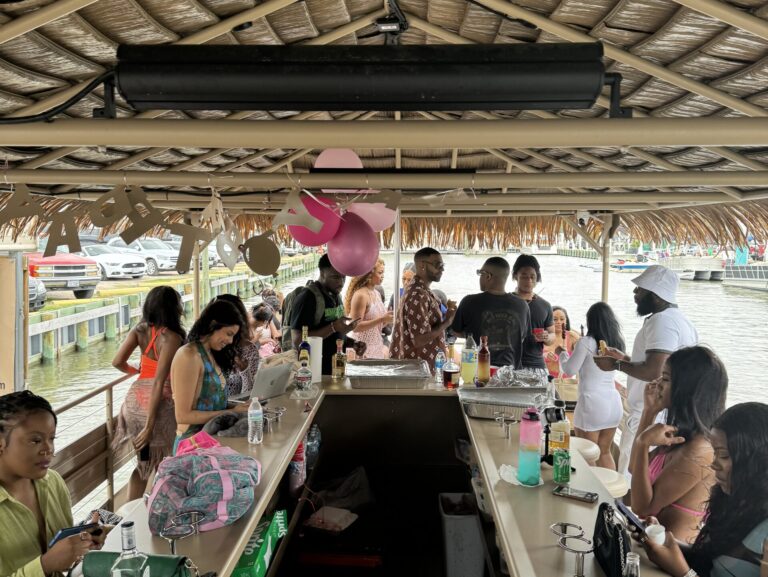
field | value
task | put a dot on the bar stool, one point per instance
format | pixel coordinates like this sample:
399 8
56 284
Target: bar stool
614 482
587 449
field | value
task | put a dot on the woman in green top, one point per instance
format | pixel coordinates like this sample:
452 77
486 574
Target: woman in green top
197 370
34 501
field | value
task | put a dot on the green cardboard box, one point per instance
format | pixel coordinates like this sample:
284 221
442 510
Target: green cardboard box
255 560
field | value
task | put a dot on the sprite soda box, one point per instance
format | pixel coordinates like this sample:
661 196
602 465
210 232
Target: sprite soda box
262 545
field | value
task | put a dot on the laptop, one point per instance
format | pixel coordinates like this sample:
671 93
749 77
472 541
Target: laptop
271 381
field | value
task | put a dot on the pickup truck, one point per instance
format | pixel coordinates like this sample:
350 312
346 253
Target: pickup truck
65 271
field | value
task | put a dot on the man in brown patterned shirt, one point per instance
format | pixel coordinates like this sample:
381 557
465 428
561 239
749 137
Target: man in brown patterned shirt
419 331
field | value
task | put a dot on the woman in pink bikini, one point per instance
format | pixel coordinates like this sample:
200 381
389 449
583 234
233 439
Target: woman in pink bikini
672 482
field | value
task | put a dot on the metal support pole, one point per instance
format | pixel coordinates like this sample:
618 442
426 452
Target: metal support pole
197 287
606 264
20 346
110 455
396 273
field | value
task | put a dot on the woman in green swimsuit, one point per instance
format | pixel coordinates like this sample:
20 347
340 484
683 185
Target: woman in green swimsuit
197 371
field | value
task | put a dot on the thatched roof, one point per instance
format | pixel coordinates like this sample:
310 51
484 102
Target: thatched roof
708 63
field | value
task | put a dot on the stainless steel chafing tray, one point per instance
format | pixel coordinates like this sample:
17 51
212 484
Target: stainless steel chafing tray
492 402
388 374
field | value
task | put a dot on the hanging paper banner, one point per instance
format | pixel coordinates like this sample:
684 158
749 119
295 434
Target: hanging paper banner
142 220
110 207
213 214
189 236
21 204
294 213
261 254
62 231
227 245
390 198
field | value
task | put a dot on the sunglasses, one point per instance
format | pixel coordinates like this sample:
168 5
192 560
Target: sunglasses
437 265
481 272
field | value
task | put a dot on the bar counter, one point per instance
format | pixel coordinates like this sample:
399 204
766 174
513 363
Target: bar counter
522 515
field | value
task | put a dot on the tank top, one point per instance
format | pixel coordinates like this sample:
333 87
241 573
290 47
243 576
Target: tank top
148 368
213 396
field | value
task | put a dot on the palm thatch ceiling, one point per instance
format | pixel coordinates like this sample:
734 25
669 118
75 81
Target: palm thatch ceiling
680 59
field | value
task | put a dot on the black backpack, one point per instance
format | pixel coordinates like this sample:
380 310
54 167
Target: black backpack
287 340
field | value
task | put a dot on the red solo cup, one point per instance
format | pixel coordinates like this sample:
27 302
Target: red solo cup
539 331
493 370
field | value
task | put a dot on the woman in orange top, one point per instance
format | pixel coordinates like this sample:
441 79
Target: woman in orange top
147 415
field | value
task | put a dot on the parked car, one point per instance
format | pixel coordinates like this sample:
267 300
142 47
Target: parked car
65 271
213 256
37 293
116 264
157 255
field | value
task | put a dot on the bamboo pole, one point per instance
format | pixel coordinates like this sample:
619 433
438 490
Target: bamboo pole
415 181
467 134
40 17
730 15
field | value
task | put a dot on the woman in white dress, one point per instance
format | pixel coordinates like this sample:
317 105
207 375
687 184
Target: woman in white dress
598 409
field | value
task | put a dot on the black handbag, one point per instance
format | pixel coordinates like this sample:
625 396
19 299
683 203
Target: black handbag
611 542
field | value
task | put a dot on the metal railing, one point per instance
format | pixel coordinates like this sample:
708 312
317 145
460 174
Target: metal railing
77 453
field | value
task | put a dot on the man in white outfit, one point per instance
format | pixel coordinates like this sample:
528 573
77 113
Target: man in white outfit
665 329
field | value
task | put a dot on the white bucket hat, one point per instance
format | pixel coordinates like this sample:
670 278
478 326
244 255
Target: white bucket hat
659 280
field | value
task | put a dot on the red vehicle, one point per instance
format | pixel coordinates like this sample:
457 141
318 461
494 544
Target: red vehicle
65 271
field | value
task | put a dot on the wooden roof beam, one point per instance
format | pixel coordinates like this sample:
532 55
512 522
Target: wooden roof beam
346 29
199 37
406 180
566 133
730 15
675 78
40 17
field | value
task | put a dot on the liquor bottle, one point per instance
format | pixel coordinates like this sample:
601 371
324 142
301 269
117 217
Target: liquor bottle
130 563
469 361
450 371
304 348
632 565
255 422
560 432
304 377
339 362
483 363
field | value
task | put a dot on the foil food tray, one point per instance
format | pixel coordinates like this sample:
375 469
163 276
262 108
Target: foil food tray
388 374
489 403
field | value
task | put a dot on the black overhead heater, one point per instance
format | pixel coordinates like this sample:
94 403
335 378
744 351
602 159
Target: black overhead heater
389 77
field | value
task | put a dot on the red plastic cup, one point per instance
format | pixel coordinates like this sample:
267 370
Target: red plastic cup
537 332
493 370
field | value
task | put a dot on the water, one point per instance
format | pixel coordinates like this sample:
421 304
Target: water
724 316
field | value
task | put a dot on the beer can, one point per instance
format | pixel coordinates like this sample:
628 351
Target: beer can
562 464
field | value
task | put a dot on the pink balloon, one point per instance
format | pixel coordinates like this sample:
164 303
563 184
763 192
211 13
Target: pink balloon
324 211
355 248
376 214
338 158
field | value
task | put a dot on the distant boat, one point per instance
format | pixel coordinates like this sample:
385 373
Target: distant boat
747 276
629 266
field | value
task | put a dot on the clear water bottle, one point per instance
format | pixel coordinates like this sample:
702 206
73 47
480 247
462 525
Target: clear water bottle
439 363
255 422
130 563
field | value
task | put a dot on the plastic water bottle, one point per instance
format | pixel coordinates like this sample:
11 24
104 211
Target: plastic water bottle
255 422
529 455
469 361
439 362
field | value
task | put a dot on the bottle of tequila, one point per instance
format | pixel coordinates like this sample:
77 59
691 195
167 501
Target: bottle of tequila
130 563
304 348
339 364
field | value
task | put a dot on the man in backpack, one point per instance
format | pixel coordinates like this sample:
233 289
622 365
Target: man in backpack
318 306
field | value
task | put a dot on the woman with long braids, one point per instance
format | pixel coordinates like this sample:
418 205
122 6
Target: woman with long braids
363 302
730 543
198 369
147 416
34 501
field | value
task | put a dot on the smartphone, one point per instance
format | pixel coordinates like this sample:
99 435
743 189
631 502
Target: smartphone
571 493
92 528
631 518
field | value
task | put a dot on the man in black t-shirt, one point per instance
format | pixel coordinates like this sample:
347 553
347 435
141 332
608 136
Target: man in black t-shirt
332 324
495 313
527 274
